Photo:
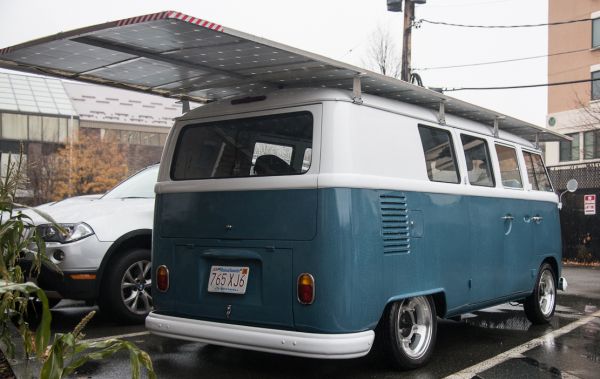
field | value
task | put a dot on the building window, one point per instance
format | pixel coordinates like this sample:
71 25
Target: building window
569 150
596 85
63 130
50 129
130 137
12 160
596 33
151 139
591 144
14 126
73 129
35 128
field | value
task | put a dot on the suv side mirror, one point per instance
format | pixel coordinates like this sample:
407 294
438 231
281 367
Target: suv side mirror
571 187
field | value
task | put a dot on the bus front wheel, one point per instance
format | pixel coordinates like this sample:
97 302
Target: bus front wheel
409 330
539 306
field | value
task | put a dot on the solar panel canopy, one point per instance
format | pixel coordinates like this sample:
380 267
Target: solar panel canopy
175 55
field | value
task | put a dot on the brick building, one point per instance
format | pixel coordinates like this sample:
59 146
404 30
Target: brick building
574 109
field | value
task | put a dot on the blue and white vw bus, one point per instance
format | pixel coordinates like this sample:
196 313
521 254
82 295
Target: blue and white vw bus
306 223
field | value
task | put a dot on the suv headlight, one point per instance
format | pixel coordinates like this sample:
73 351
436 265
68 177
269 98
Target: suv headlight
70 232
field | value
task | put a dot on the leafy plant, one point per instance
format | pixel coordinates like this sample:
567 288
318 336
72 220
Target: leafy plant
19 239
13 305
70 351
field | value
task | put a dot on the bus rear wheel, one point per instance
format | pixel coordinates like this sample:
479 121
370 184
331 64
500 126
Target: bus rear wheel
539 306
409 331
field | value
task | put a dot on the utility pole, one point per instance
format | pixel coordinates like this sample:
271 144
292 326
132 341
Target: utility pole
409 16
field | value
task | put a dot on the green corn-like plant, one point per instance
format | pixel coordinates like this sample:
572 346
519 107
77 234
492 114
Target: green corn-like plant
70 351
19 238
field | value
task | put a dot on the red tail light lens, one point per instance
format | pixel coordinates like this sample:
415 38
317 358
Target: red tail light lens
162 278
306 289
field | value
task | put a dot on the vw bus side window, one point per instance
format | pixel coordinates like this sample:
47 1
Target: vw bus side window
264 146
439 155
478 161
538 177
509 167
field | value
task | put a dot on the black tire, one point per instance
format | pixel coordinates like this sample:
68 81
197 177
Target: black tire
125 292
539 306
406 348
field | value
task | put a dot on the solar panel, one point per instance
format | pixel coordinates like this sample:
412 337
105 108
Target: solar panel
176 55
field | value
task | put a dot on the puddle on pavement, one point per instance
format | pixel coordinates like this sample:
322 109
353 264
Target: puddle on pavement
521 368
512 317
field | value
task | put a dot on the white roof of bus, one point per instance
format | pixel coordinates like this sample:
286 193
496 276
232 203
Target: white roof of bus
179 56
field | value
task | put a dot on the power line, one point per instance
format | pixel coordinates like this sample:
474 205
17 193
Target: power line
500 61
501 26
476 3
523 86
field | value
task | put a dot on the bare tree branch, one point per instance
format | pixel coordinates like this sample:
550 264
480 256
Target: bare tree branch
382 54
591 119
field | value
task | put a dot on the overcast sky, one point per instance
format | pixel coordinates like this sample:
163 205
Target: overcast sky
340 29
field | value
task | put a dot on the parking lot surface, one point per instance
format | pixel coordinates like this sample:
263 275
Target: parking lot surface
497 342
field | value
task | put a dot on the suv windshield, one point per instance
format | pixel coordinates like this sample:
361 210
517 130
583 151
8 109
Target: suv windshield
279 144
140 185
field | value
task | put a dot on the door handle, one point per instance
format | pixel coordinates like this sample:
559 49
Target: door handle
508 223
537 219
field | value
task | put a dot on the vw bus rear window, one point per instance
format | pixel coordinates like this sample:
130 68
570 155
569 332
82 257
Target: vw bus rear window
279 144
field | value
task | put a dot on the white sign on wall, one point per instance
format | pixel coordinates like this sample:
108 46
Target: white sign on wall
589 205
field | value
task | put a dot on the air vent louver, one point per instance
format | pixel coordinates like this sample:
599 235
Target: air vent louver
394 224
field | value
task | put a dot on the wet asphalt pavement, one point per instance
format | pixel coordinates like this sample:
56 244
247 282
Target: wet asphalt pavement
478 337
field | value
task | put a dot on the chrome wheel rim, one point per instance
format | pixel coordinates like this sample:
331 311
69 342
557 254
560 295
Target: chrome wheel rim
546 293
414 326
135 287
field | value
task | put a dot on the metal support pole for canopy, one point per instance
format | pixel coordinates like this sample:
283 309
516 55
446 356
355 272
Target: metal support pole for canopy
185 106
357 91
442 112
497 126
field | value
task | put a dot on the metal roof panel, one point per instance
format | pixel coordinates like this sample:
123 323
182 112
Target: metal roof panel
180 56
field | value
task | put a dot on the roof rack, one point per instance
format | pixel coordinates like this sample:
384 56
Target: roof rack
175 55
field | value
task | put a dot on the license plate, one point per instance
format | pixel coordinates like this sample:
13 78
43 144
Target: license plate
228 279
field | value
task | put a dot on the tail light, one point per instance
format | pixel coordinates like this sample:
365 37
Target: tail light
162 278
306 289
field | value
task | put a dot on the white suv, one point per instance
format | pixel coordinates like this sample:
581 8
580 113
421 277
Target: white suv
105 256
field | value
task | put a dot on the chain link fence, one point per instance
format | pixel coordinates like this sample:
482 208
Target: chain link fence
580 232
